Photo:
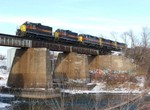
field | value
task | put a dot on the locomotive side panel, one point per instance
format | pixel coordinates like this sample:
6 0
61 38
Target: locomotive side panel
66 35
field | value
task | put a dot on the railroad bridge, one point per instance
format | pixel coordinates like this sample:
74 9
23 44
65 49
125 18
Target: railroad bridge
31 65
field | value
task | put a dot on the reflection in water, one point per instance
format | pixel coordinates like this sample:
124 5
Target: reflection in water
75 102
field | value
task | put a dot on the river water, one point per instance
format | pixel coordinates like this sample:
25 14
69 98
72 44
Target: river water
72 102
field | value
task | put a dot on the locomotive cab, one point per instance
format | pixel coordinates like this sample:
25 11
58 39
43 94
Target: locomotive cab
30 29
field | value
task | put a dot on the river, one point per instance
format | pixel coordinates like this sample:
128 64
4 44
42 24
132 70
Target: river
72 102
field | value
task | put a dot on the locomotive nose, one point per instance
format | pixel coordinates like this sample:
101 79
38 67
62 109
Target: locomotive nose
23 28
80 38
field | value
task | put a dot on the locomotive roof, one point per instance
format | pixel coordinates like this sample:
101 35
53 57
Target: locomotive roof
27 22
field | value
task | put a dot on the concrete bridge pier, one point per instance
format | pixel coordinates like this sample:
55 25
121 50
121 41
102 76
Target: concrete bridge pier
71 66
93 62
30 69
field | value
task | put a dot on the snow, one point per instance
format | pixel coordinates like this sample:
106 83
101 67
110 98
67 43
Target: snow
4 105
6 95
101 88
141 81
116 53
3 81
120 89
98 87
102 91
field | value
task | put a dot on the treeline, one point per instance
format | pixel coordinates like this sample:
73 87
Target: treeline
138 46
138 49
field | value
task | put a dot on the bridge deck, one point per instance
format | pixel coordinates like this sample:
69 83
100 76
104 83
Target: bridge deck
13 41
16 41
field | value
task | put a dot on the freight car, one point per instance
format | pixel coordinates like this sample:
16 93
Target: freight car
39 31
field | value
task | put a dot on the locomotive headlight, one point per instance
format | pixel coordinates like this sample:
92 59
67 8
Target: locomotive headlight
23 28
80 38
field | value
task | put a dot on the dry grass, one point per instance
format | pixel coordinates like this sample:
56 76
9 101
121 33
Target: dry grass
118 80
113 79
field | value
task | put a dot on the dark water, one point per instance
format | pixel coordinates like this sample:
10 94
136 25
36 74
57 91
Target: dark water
74 102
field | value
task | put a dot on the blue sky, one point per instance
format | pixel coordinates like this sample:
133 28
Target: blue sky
95 17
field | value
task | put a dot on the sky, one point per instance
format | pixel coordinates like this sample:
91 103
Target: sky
95 17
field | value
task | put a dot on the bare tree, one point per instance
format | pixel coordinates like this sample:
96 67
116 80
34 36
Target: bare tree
145 36
145 45
114 35
125 37
132 37
140 53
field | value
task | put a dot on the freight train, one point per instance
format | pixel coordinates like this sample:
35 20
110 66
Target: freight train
39 31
